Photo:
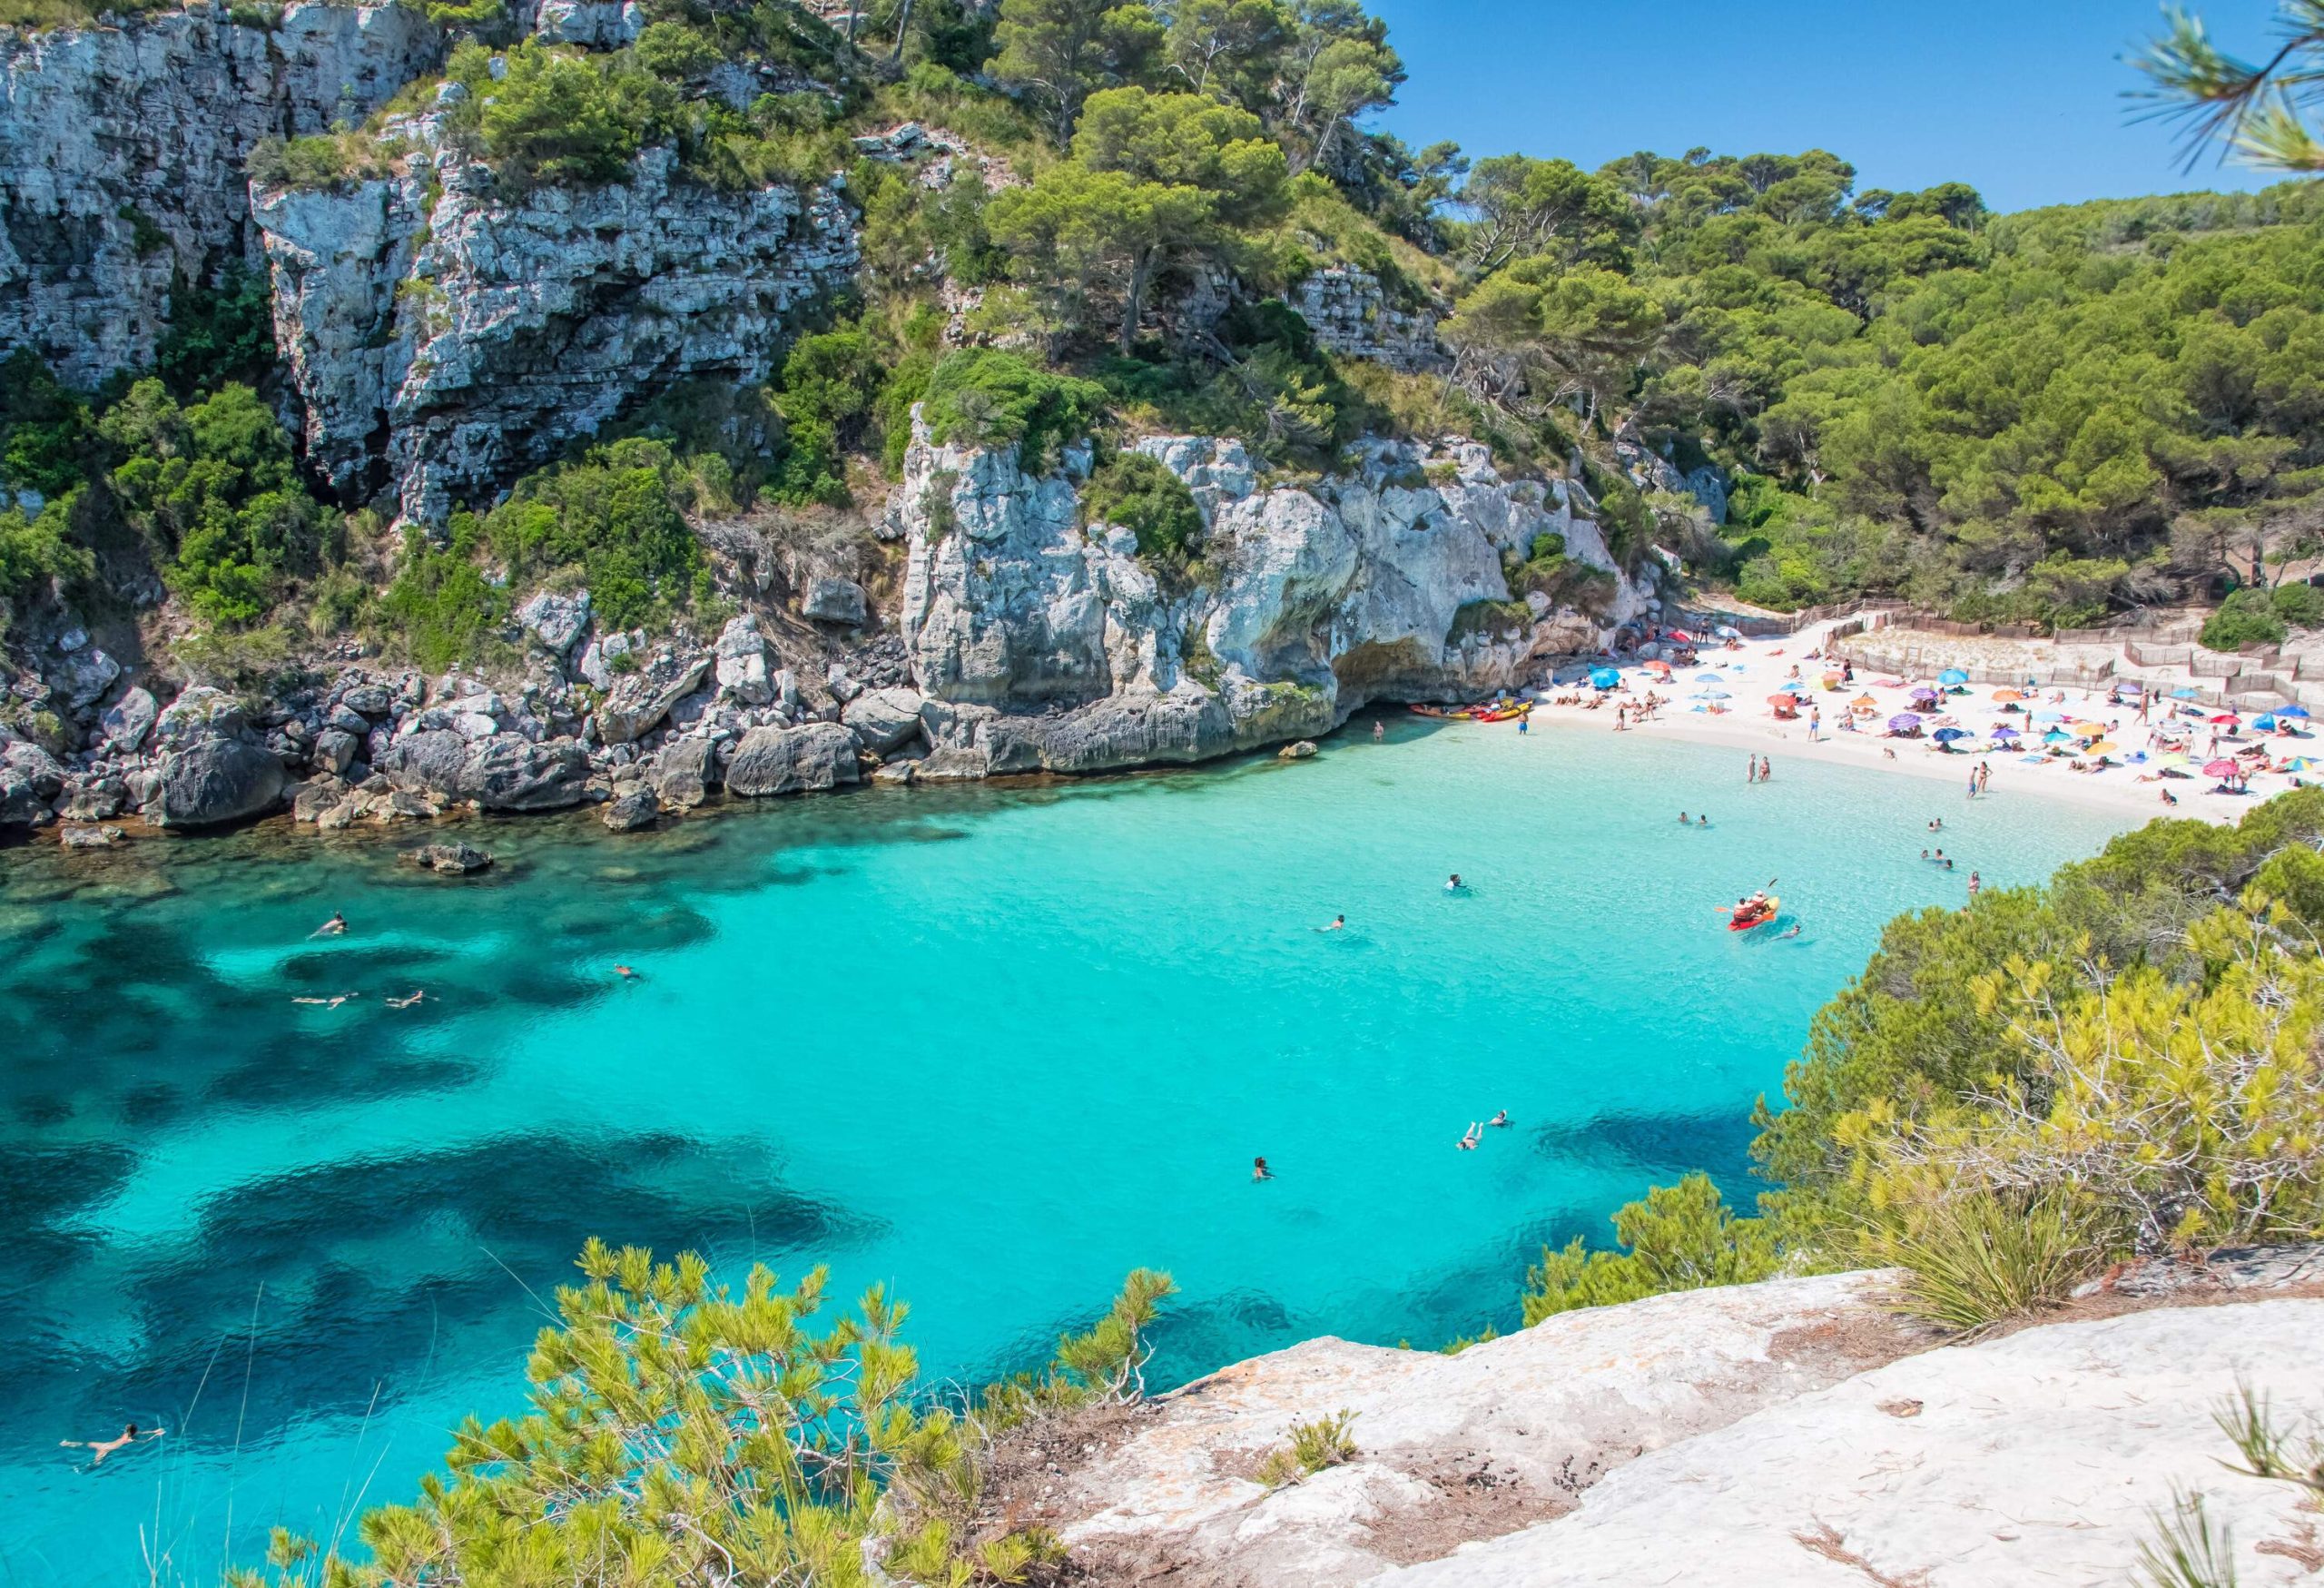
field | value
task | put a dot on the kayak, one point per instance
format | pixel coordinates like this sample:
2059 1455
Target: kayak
1500 713
1738 921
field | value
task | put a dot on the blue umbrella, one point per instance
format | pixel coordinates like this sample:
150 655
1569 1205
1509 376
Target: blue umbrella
1952 675
1946 735
2184 694
2298 710
2004 732
2049 717
2056 737
1605 678
2264 723
1711 678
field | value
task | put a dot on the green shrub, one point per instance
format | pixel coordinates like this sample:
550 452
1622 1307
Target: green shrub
1680 1238
1140 494
614 518
1498 619
826 391
1974 1260
44 429
2299 606
442 609
218 334
984 398
673 52
215 491
1315 1446
2246 617
35 550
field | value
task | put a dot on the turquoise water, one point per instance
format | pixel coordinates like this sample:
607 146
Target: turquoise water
995 1047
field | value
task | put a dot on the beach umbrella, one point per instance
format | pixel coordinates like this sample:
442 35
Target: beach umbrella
1923 692
2185 695
2222 767
2099 747
1727 631
2296 763
2264 723
1864 700
2090 730
2007 696
1711 678
2049 717
1952 676
2292 710
1946 735
1682 636
2056 737
1604 678
1904 723
2223 719
2004 732
1779 698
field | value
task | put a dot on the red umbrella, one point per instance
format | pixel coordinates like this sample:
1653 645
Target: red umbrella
1682 636
2227 718
2221 768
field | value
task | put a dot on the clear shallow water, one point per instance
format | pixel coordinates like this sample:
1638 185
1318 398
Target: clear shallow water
995 1047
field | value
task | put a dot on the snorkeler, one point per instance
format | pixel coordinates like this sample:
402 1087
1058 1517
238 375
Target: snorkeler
625 972
100 1448
405 1003
1339 922
332 928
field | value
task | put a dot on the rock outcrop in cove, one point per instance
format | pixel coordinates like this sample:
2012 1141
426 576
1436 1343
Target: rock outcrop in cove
1046 643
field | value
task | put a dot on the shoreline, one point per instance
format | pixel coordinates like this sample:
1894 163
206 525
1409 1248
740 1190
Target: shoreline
1751 727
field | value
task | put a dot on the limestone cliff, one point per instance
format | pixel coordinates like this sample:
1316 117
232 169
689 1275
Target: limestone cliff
1052 646
121 151
442 337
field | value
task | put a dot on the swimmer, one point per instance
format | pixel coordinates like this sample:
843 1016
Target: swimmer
1259 1169
1683 820
1474 1134
1500 1122
1339 922
405 1003
1793 932
100 1448
1975 883
625 972
1703 821
332 928
329 1003
1454 884
1937 825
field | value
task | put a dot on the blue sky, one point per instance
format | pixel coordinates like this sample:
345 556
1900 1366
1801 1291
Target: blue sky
2021 98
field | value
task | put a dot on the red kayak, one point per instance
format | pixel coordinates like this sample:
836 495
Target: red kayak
1743 919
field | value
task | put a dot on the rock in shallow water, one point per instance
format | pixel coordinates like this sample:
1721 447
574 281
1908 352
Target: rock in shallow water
630 811
450 859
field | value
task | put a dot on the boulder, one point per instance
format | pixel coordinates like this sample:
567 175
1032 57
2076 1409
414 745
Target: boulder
426 762
335 750
214 781
318 794
89 837
884 719
128 720
836 601
199 713
554 622
629 812
637 703
1298 750
778 761
510 772
687 770
450 859
742 662
84 674
92 801
370 700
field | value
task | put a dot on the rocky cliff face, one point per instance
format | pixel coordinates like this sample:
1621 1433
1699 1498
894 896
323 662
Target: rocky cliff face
442 339
122 152
1054 647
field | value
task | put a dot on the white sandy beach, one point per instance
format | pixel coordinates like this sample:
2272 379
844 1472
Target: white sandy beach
1756 670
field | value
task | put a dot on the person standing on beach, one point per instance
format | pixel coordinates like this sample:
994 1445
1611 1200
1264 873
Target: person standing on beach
1815 723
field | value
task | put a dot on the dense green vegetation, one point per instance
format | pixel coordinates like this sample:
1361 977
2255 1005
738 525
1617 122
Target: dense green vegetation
685 1431
2122 1062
